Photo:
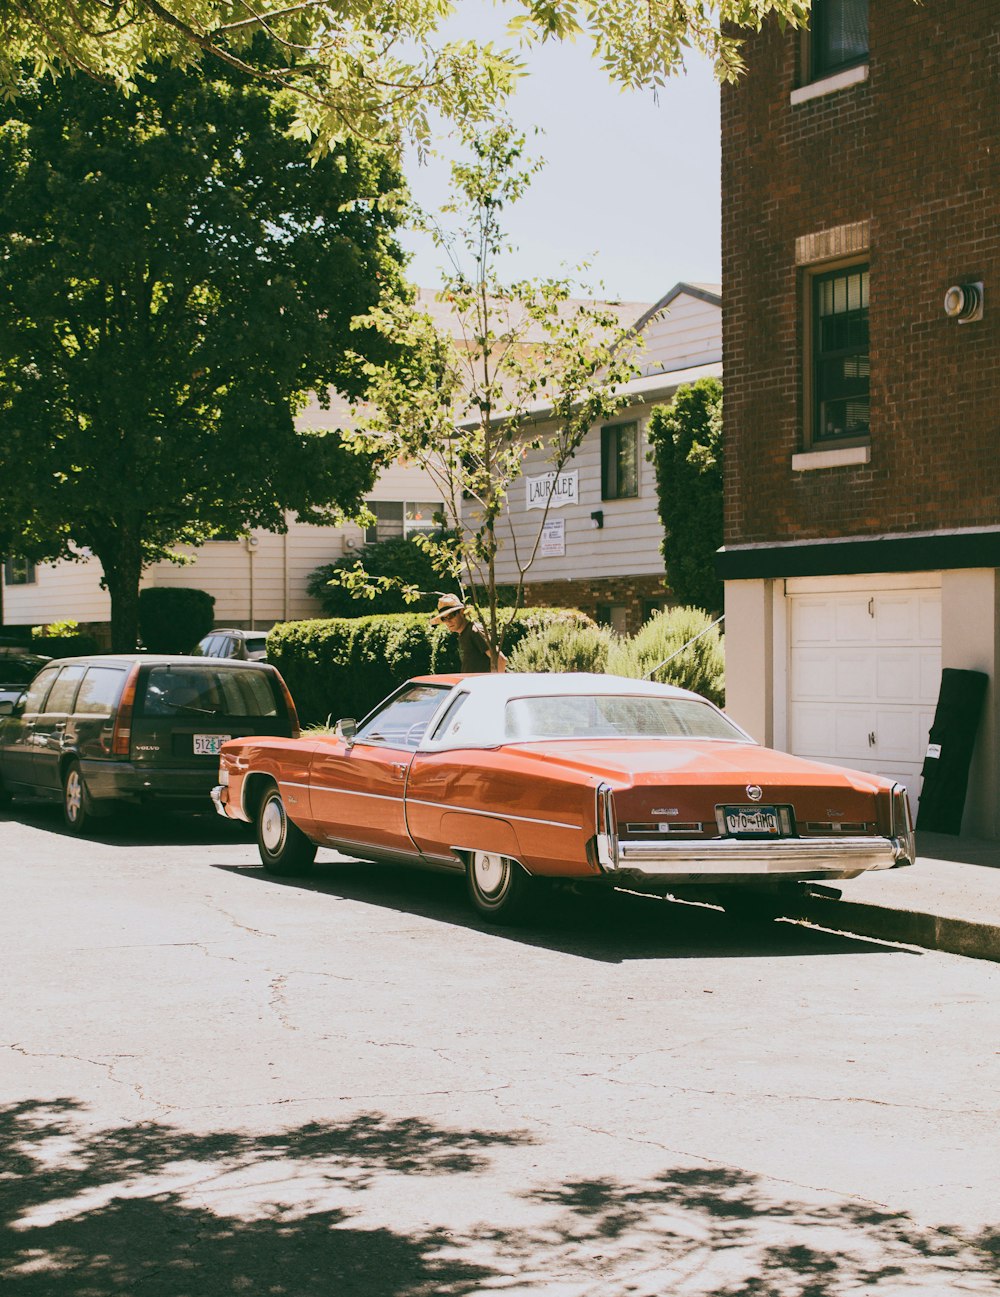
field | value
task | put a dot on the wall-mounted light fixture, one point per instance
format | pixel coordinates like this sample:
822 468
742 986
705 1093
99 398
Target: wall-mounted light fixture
597 519
964 302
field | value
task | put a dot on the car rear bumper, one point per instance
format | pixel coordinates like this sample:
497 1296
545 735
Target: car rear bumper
732 859
124 781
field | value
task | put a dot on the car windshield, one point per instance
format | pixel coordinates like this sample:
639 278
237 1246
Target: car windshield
401 721
208 691
585 716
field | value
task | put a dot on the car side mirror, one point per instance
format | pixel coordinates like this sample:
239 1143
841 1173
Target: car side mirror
346 730
6 707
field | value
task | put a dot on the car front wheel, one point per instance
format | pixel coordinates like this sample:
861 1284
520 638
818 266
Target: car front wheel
284 848
498 887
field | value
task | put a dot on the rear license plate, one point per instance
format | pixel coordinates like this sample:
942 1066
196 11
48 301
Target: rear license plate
752 821
208 745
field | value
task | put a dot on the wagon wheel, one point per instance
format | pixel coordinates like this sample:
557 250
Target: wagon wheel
78 813
498 886
284 848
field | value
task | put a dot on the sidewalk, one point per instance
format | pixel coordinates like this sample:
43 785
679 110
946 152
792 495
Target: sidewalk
949 900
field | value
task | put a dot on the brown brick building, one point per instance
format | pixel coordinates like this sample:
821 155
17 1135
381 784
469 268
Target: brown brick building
861 182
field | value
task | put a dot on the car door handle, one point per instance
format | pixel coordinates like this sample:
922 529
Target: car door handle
400 768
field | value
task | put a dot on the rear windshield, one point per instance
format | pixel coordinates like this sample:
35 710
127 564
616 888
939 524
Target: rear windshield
584 716
209 690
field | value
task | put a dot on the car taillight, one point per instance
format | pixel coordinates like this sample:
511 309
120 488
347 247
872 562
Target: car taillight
293 715
121 738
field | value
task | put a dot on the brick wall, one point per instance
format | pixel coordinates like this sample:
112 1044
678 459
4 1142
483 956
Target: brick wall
915 151
634 593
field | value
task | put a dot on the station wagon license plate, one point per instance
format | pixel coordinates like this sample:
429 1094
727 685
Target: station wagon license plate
752 821
208 745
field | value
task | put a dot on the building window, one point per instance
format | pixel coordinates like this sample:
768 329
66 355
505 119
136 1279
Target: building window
838 36
395 518
620 461
18 571
840 363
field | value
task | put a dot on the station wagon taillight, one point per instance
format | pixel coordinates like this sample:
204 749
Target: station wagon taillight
293 715
121 738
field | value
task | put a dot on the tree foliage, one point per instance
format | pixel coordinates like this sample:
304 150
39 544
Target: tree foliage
374 69
175 278
686 449
466 409
679 646
402 578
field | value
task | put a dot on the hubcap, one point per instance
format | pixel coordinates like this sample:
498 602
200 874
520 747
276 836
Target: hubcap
272 825
491 872
74 795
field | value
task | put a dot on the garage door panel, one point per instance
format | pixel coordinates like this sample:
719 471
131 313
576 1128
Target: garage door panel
865 696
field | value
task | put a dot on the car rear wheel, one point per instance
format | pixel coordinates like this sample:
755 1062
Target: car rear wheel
77 807
498 886
284 848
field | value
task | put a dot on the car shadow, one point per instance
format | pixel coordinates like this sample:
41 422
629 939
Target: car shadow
607 926
137 826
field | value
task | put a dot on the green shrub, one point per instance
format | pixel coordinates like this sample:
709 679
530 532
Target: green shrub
399 558
64 646
563 646
172 619
700 666
344 666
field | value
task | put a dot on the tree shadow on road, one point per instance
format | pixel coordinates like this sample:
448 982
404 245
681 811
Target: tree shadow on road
607 926
309 1212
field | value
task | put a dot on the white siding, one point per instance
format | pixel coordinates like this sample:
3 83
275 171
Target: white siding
60 592
688 333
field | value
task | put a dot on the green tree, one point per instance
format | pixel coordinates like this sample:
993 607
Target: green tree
466 409
375 69
402 578
175 277
686 450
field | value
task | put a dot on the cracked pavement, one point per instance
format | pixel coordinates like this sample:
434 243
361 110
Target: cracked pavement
215 1081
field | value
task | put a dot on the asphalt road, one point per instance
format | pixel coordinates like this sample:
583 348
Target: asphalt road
214 1082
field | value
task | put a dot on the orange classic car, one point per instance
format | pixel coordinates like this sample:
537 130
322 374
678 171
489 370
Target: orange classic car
595 779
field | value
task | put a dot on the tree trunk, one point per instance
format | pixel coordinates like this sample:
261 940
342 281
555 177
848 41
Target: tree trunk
121 558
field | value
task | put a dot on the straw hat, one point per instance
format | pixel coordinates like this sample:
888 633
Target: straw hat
447 604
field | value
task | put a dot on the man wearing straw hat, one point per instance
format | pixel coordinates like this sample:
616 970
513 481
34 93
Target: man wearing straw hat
473 646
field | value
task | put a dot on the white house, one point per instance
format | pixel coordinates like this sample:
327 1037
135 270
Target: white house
261 579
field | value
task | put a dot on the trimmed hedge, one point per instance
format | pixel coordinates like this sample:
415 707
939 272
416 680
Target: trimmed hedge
173 618
344 666
63 646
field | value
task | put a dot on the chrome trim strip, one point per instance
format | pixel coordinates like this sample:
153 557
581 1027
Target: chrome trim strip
494 815
835 857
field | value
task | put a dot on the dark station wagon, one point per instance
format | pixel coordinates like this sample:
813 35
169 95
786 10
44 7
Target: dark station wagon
92 731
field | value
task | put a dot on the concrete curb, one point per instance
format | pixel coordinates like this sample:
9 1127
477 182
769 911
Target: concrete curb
910 927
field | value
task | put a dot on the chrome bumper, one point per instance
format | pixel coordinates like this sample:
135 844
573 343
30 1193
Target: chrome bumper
723 857
220 805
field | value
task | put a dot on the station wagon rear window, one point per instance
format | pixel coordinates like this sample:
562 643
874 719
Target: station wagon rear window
208 691
584 716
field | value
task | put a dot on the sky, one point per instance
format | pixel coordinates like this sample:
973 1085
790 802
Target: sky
631 183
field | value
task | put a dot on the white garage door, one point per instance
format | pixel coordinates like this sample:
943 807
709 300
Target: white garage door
865 668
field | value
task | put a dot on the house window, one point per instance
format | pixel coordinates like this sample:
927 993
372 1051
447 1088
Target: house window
18 571
394 518
840 363
838 36
620 461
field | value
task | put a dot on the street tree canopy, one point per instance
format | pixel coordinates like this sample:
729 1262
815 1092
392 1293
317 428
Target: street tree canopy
176 278
375 69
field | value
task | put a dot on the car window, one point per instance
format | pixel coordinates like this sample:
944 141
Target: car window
63 693
569 716
401 722
38 688
449 723
256 643
208 691
99 691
